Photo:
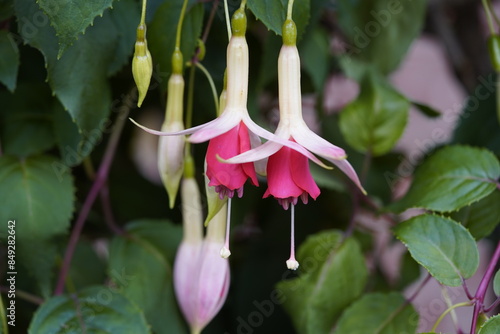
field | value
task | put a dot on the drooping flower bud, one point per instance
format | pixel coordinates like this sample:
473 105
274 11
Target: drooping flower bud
142 64
171 149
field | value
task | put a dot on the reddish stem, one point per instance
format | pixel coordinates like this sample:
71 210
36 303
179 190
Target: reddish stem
483 286
99 182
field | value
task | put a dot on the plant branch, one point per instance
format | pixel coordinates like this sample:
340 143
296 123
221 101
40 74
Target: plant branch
99 182
420 287
209 21
483 286
24 295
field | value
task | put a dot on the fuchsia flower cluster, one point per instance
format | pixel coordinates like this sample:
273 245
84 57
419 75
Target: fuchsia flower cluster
234 148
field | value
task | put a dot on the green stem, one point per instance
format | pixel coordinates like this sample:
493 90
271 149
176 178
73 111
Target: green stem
212 85
498 106
189 106
143 13
489 16
228 21
179 25
451 308
289 10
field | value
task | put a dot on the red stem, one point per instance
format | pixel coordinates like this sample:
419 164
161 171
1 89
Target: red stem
99 182
483 286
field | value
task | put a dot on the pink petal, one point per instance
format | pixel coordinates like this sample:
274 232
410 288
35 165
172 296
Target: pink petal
177 133
222 124
346 167
302 175
279 175
314 143
263 151
244 140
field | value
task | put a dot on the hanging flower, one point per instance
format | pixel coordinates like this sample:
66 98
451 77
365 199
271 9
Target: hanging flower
288 174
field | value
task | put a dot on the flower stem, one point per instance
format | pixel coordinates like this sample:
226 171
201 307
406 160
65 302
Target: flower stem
289 10
212 85
99 182
179 25
143 12
483 286
228 20
451 308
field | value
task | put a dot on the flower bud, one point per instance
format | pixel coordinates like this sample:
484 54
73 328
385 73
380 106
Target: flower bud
171 148
142 64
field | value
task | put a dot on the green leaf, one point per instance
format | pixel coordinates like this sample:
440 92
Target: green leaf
33 195
85 93
9 62
26 120
273 14
426 110
161 37
376 119
81 274
482 217
491 326
314 55
453 177
442 246
141 266
379 32
379 313
97 309
71 18
496 283
332 274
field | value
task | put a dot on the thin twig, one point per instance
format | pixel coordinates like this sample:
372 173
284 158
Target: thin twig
24 295
99 182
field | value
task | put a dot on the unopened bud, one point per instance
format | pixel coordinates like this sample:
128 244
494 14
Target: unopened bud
142 64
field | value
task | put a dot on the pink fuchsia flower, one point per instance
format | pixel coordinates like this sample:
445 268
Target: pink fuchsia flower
234 122
288 174
201 276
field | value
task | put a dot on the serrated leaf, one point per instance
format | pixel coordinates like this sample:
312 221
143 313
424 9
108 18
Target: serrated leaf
143 260
491 326
442 246
333 274
482 217
97 309
496 283
452 178
79 77
376 119
9 62
379 313
26 120
379 32
273 14
71 18
161 37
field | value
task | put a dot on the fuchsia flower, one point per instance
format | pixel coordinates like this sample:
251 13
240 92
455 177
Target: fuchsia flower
232 132
201 276
288 174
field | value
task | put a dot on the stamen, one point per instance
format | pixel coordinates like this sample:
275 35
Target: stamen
225 252
291 263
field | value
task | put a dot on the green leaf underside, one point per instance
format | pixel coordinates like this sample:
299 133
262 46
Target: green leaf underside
79 77
9 61
71 18
379 313
491 326
442 246
97 309
333 274
482 217
453 177
162 44
426 110
379 32
266 11
141 267
379 115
